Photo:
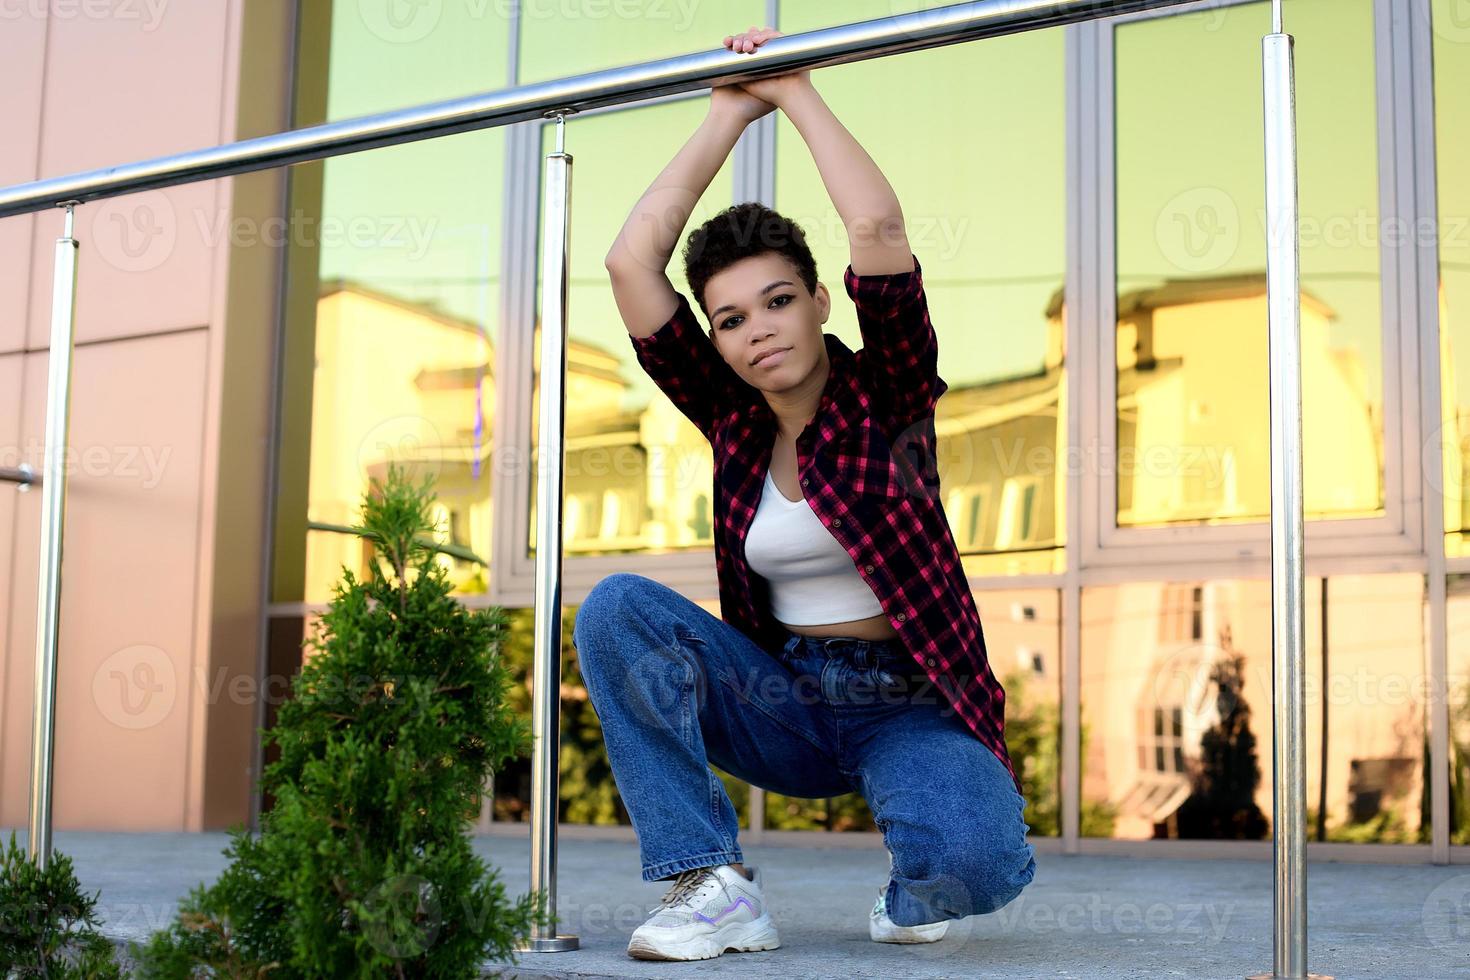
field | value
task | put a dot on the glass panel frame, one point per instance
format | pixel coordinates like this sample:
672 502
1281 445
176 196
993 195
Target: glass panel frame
1407 175
1400 530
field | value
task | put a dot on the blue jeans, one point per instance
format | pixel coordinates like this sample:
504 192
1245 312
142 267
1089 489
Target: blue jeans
676 689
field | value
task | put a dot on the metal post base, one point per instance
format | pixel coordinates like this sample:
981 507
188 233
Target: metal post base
559 944
1272 976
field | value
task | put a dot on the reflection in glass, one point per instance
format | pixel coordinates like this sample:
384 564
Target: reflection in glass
390 55
1023 637
408 253
984 205
638 474
1457 617
1192 358
560 38
1452 141
1177 718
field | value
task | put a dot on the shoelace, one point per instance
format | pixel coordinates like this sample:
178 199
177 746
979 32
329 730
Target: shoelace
685 885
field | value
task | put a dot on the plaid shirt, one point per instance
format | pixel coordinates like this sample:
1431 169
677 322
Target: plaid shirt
867 468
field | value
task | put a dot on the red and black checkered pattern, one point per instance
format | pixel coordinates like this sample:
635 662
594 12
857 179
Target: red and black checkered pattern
867 463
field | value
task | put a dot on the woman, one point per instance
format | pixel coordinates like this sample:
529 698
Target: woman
849 654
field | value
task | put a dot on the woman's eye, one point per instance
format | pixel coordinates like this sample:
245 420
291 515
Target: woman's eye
732 321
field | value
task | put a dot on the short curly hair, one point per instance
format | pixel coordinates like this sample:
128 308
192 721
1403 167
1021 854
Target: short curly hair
741 231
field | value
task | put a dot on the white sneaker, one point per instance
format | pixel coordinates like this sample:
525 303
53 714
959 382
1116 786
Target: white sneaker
706 912
881 929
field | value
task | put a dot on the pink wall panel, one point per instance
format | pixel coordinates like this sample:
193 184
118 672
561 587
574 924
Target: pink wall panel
22 57
128 588
145 262
14 703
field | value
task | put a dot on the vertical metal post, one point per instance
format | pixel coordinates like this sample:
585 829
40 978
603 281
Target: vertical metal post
546 670
1288 623
53 512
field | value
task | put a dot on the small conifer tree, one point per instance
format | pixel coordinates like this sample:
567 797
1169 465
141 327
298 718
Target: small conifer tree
1222 805
48 925
363 867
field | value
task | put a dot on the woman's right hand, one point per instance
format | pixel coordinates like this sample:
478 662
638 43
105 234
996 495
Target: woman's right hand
733 101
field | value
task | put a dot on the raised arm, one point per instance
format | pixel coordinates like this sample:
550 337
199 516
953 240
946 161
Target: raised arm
641 252
861 194
666 337
900 355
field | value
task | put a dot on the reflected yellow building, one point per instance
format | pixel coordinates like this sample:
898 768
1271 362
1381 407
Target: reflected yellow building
1190 362
1152 698
1194 408
635 480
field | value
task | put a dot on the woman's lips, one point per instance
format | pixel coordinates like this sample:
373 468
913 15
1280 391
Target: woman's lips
771 360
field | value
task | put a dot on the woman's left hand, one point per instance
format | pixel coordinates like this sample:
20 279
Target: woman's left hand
776 89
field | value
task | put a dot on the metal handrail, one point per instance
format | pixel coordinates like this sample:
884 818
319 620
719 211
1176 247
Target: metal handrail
862 41
21 474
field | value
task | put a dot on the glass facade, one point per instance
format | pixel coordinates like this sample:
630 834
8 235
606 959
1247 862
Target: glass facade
984 205
402 300
637 474
561 39
389 55
1457 621
1451 22
1192 359
408 289
1177 717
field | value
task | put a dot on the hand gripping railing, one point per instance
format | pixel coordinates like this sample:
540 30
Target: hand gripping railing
563 97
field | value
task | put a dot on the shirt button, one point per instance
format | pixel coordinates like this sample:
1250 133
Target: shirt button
868 569
806 482
901 617
836 522
929 661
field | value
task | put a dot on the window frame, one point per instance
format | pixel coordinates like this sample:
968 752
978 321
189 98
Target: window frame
1400 532
1407 174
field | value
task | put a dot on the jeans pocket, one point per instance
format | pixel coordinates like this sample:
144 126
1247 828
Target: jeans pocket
883 682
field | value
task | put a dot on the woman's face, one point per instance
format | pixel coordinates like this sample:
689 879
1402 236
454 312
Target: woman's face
760 308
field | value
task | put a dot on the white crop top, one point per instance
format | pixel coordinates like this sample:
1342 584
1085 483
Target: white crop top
813 579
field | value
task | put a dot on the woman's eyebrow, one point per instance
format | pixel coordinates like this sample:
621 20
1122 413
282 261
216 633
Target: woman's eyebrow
731 306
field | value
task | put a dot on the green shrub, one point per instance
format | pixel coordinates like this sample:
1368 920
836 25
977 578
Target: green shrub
47 925
363 867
